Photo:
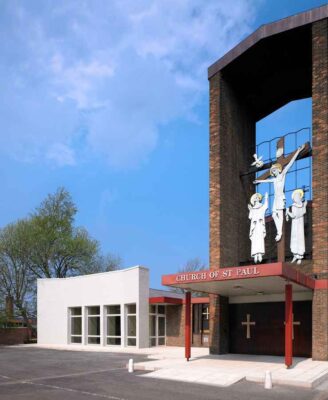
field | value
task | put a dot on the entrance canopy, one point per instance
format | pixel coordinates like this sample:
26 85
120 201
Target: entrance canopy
242 281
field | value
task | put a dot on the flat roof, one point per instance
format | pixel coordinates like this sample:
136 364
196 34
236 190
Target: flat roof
267 30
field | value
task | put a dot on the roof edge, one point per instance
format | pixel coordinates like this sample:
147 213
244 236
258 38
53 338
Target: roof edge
267 30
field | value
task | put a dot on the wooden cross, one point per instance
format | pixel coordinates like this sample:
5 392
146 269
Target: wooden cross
294 323
281 159
248 324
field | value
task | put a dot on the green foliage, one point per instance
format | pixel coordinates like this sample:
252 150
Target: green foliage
47 245
16 278
60 249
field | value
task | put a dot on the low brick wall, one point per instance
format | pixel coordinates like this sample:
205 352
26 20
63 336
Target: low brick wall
10 336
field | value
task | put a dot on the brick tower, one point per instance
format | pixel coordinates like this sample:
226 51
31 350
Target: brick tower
280 62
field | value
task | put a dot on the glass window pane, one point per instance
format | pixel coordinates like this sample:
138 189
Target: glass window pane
205 325
76 311
152 325
132 325
76 339
94 326
114 309
131 309
161 326
114 326
94 310
152 309
94 340
161 309
76 326
132 342
161 341
114 341
153 342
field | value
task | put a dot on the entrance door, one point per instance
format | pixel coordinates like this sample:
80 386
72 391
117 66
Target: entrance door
258 328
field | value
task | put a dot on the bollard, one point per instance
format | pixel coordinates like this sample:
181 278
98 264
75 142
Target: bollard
268 380
130 367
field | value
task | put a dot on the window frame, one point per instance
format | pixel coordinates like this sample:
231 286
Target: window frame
107 316
87 326
127 315
71 317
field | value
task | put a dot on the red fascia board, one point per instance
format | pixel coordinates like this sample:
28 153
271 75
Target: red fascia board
167 300
199 300
283 270
321 284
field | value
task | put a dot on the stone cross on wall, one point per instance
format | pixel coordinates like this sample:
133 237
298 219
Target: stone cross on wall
298 323
248 325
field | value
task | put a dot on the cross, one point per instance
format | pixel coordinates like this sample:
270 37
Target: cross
248 324
281 159
294 323
206 313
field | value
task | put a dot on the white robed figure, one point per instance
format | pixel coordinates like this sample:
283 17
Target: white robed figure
257 231
296 213
278 179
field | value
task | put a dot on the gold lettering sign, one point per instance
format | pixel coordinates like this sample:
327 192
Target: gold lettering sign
221 274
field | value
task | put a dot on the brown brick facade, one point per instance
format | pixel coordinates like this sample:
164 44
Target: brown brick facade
175 325
320 184
232 140
11 336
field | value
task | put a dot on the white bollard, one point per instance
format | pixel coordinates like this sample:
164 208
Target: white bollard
131 367
268 380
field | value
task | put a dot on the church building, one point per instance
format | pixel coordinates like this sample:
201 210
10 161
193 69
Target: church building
266 289
274 302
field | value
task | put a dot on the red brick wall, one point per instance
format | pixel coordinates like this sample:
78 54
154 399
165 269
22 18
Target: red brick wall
175 328
175 323
320 184
10 336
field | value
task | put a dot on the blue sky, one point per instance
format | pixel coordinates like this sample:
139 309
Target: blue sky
110 100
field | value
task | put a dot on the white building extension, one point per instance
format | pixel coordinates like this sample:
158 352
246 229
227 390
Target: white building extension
106 309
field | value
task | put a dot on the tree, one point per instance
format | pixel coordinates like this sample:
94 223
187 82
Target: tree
101 263
59 248
192 265
47 245
16 278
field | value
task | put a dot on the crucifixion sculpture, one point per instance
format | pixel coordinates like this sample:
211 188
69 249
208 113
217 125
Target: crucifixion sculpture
278 172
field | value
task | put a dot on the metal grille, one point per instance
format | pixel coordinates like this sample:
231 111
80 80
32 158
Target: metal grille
299 176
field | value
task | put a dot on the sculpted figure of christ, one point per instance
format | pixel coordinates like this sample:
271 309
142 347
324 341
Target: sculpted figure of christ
279 202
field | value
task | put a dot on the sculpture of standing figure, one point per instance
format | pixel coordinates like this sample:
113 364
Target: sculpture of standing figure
278 180
297 240
257 231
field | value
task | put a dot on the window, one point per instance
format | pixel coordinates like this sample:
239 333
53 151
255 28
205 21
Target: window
200 318
205 318
131 315
75 324
113 318
93 325
157 324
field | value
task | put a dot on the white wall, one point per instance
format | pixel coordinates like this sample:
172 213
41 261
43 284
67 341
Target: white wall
122 287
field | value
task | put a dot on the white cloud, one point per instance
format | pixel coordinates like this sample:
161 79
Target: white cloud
102 77
61 155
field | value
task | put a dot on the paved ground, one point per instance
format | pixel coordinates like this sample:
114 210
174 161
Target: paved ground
40 374
227 369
